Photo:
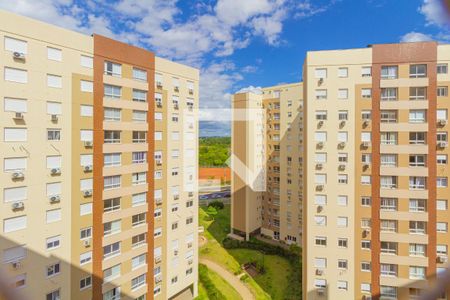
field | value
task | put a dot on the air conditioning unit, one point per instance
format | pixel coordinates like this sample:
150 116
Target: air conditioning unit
442 122
17 205
320 81
159 84
158 162
176 197
158 104
175 106
175 252
158 279
442 144
319 208
55 171
87 193
190 261
88 143
320 123
366 122
87 242
158 201
19 55
366 144
320 144
319 272
17 175
189 245
157 259
366 165
54 118
441 259
54 198
342 124
16 265
341 167
176 89
87 168
319 187
341 144
366 232
18 116
191 92
321 292
319 166
191 194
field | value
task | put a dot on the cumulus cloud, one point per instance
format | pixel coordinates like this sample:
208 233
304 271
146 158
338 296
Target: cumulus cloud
251 89
435 13
415 37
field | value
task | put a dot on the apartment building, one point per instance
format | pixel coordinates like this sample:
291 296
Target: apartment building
98 152
267 147
376 171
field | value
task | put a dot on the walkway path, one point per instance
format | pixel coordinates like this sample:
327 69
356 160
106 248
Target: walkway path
234 281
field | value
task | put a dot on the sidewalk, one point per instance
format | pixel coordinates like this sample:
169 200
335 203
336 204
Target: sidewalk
233 280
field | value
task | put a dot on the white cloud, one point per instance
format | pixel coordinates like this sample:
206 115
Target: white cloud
251 89
413 36
435 13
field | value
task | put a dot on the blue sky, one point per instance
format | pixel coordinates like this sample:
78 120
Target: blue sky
244 43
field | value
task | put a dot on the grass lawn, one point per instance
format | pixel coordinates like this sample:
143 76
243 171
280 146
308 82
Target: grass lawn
277 269
216 231
202 294
215 287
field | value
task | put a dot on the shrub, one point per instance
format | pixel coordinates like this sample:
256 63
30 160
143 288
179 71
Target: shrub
211 211
211 290
244 277
217 204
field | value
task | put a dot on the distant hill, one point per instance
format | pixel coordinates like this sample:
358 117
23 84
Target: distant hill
214 151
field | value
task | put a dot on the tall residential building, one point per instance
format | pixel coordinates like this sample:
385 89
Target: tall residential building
376 171
98 162
267 135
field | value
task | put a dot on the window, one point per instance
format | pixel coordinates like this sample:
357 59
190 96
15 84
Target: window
138 261
389 72
85 209
138 199
365 201
417 183
365 245
417 93
389 292
388 160
389 138
442 91
321 241
416 272
343 72
138 281
138 219
112 114
157 213
140 116
139 74
86 233
111 204
111 273
320 263
14 194
113 69
342 264
15 134
86 135
343 115
54 81
366 71
86 61
111 136
389 94
54 188
417 249
389 247
53 270
389 204
388 116
389 225
320 73
342 221
441 114
111 250
416 138
139 178
53 134
112 227
342 136
15 105
417 205
442 227
53 242
366 93
441 136
365 266
15 45
365 223
417 160
112 159
441 250
417 71
139 95
55 295
417 116
417 227
343 94
320 136
54 54
342 243
366 136
320 220
389 270
138 240
158 116
139 137
14 224
14 254
13 164
52 216
342 200
441 204
442 182
85 283
321 94
16 75
442 68
189 220
112 91
86 110
112 182
366 179
342 157
342 178
321 157
320 178
320 199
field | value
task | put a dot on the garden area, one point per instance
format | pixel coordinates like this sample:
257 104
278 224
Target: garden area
276 271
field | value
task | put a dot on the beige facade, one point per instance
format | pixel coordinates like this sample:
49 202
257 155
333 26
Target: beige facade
376 174
267 138
84 195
